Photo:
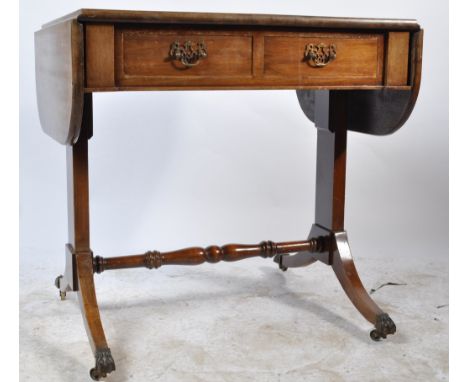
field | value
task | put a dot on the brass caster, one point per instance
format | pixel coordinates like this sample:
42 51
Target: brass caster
63 294
104 365
57 281
96 376
279 259
384 325
375 335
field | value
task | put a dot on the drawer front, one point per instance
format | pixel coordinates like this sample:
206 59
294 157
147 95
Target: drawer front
125 57
159 57
331 58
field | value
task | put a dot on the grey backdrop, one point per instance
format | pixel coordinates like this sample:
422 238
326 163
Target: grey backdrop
175 169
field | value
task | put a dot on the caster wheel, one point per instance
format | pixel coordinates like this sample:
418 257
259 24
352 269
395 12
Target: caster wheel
384 326
57 281
279 259
96 376
104 364
375 335
63 294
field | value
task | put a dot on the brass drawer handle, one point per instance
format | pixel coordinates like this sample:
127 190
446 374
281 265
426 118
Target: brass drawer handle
189 54
319 55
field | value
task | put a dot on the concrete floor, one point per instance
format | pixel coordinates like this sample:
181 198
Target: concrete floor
233 322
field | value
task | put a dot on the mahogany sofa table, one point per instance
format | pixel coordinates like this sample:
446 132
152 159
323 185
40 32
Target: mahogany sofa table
349 74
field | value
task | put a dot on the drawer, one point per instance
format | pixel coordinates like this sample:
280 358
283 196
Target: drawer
177 57
332 58
127 57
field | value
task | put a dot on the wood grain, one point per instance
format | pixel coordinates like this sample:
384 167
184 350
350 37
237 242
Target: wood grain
79 238
100 55
212 254
358 60
330 116
245 59
247 52
129 50
223 19
59 55
77 184
378 111
415 73
397 58
143 57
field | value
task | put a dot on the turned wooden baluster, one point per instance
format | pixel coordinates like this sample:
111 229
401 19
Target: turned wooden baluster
212 254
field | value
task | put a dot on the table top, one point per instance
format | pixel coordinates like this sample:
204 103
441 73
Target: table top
266 20
95 50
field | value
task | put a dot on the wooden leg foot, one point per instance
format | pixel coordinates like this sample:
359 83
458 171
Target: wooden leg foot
104 364
91 317
384 326
345 270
